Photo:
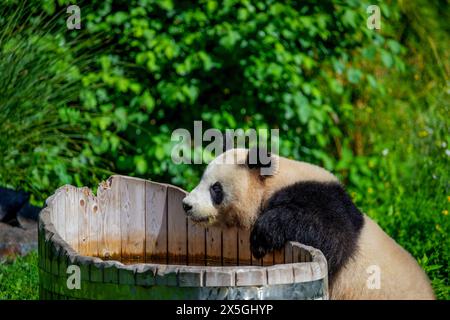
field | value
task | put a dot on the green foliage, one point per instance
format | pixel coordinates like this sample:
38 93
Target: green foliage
407 130
41 125
409 195
20 279
239 64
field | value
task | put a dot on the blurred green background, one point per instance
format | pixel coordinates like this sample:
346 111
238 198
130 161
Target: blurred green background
372 106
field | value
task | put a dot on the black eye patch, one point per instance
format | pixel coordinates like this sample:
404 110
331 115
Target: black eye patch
216 192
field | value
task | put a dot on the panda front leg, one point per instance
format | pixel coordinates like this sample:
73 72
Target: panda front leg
271 230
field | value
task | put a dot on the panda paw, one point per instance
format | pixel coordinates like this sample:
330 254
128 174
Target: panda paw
266 236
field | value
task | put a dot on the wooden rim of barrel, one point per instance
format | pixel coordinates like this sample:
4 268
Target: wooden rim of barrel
134 219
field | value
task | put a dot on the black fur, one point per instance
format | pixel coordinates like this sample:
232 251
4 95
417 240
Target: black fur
317 214
216 192
258 158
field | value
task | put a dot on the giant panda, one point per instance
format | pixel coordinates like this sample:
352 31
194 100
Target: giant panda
302 202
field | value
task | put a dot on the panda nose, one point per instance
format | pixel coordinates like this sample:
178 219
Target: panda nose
186 207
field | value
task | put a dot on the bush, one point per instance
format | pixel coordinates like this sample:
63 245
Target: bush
296 67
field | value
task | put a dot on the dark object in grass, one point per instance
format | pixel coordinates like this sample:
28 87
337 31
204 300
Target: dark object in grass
28 211
11 202
15 206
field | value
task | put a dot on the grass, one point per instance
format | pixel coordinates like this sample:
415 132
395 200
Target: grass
415 214
40 75
19 280
411 195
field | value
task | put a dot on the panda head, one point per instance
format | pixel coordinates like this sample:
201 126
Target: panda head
231 189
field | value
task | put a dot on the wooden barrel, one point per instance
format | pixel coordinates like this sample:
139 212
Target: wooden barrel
133 241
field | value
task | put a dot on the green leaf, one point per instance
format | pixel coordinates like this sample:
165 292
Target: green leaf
387 59
372 81
349 18
148 101
166 4
119 17
121 113
303 107
229 40
141 164
394 46
336 86
105 62
354 75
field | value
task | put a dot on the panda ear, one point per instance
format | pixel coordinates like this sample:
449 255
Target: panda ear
261 159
